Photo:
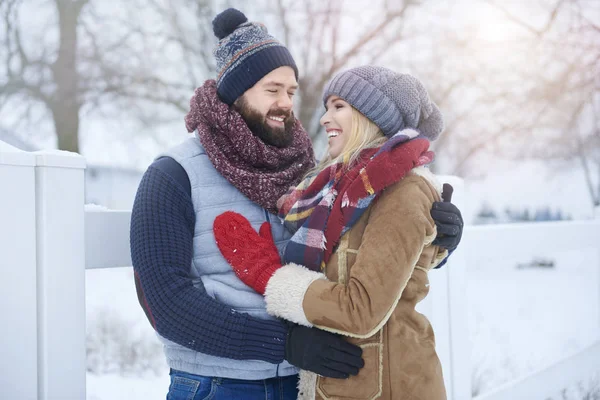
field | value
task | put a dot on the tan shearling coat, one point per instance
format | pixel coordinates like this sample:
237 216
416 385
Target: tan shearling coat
368 293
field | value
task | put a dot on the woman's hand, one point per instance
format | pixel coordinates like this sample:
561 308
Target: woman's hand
253 256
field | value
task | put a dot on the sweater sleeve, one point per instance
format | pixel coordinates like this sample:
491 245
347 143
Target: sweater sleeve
162 228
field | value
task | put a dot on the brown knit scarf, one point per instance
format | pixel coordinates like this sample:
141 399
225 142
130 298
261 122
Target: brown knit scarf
263 173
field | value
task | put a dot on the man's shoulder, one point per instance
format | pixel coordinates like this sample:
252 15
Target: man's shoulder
189 148
174 170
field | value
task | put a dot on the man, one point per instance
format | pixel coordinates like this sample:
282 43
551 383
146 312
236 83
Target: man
247 150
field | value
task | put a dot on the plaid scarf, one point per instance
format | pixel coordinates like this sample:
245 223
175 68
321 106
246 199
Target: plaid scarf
320 211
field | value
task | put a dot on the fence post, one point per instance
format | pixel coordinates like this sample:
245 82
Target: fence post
597 221
18 344
449 311
60 275
458 306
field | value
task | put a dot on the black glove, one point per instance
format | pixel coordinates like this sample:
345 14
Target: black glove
448 220
322 352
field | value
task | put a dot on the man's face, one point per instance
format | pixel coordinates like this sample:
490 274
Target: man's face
267 107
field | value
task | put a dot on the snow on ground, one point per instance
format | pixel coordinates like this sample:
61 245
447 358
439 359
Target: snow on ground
116 322
520 320
117 387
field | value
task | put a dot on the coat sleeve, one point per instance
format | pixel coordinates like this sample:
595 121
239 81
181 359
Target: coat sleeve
398 228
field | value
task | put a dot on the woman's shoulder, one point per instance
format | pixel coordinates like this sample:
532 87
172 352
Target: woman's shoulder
419 184
407 202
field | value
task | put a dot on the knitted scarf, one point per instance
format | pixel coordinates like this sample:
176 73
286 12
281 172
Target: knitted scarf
321 211
262 172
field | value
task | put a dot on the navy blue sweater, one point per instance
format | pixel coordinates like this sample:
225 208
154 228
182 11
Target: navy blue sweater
162 229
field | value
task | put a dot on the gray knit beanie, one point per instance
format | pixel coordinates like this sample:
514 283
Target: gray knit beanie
391 100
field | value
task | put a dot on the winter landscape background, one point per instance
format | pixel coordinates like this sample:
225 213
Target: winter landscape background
518 83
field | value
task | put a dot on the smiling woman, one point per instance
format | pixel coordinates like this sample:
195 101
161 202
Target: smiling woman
337 121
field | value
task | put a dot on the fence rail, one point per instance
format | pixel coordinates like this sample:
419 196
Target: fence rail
107 238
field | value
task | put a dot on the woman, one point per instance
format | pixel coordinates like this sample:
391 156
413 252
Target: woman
362 247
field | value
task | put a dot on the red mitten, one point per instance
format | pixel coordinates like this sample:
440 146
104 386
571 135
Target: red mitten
253 256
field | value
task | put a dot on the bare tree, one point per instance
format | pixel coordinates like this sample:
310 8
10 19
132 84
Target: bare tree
513 97
144 58
426 38
108 59
52 82
328 36
565 90
111 61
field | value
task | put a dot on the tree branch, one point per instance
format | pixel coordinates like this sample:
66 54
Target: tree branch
367 38
281 11
537 32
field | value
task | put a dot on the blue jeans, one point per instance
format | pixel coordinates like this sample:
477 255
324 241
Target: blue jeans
186 386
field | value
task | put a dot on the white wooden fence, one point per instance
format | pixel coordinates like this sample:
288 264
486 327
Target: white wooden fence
48 238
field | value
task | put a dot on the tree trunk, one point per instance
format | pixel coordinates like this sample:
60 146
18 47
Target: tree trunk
307 111
66 125
309 104
65 102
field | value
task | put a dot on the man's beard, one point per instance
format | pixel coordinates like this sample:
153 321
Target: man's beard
278 137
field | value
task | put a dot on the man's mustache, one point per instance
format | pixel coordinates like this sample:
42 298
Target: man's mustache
280 113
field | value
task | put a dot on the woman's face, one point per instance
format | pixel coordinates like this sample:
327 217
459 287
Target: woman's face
337 121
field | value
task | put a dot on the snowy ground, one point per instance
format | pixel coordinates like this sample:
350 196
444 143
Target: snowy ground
116 322
520 320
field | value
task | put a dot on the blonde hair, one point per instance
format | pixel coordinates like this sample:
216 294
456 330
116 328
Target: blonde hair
363 135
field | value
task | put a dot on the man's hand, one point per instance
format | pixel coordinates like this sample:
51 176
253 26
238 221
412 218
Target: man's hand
322 352
448 220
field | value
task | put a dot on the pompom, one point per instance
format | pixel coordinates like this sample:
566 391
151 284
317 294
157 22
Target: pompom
227 21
